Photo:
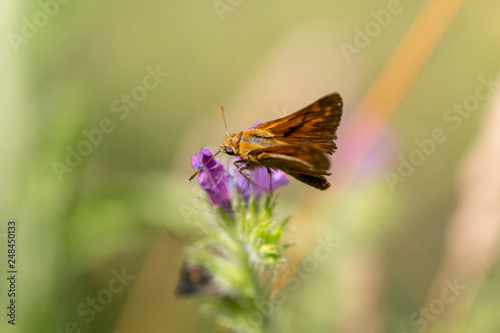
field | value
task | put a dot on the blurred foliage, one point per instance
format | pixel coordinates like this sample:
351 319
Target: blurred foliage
128 203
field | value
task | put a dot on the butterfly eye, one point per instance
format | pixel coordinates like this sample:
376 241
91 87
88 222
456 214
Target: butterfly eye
229 150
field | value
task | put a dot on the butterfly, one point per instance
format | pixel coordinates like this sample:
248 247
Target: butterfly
296 144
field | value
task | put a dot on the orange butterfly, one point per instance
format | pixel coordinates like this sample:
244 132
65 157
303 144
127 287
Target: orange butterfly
295 144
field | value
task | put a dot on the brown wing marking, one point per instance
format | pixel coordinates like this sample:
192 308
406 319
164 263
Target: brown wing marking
303 159
309 166
315 125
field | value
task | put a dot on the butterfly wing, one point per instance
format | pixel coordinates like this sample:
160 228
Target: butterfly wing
318 182
315 125
304 163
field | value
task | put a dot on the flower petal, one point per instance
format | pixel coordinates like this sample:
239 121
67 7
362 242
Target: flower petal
213 178
260 182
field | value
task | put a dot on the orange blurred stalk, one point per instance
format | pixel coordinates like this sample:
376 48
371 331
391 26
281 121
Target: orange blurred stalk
390 88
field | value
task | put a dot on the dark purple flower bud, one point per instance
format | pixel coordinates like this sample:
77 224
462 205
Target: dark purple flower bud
195 279
212 178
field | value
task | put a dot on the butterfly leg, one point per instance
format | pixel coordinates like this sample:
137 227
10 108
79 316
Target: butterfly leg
270 181
242 168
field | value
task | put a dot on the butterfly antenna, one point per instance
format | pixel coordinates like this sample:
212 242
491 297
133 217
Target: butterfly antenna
199 169
223 117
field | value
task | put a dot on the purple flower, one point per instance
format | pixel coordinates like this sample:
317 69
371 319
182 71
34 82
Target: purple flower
218 183
257 123
212 178
260 182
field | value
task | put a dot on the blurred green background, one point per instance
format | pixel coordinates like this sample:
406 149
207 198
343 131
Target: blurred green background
123 205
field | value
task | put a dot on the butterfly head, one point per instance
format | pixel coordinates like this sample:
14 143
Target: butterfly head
231 143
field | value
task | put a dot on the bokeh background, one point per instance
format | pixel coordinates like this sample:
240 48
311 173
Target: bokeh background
415 242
